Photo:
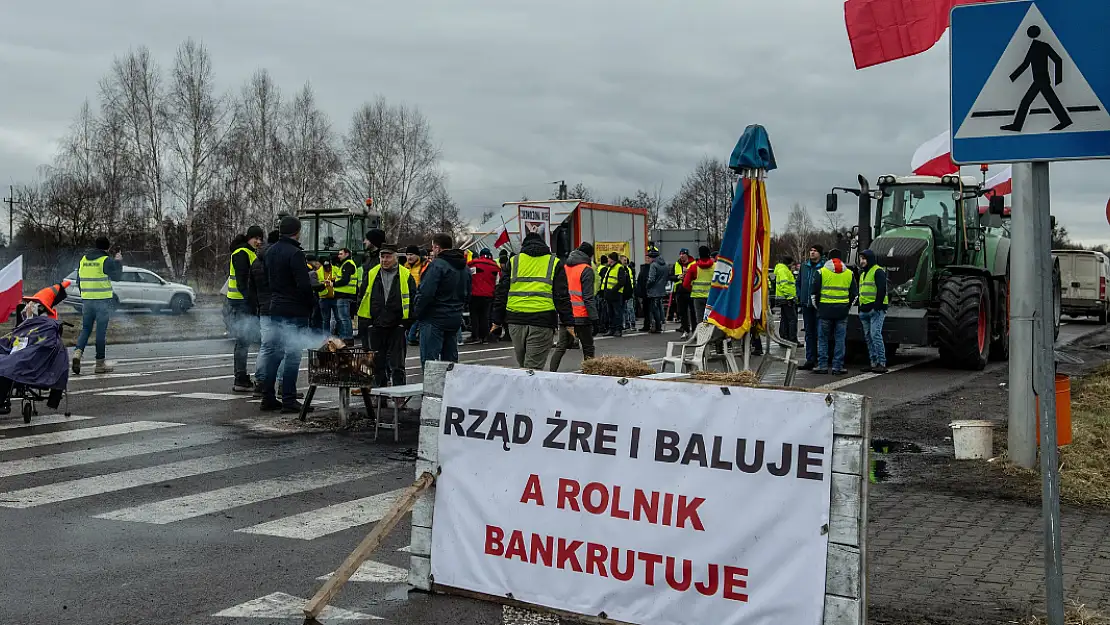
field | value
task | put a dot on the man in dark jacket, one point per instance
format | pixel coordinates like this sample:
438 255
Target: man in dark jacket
806 276
537 305
659 274
291 304
615 282
873 303
244 323
441 298
580 288
834 288
98 270
385 309
483 276
372 242
641 292
258 297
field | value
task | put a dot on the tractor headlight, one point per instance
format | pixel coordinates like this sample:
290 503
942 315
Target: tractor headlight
886 180
903 290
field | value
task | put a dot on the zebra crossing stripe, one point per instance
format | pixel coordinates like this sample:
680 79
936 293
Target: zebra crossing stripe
321 522
112 482
47 420
84 434
280 605
200 504
101 454
376 572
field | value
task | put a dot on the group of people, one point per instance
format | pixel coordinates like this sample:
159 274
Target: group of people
825 289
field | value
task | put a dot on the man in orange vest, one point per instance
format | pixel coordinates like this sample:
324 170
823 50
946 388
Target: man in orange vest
580 284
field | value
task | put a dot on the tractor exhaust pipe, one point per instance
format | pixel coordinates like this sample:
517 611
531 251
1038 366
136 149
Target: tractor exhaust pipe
865 230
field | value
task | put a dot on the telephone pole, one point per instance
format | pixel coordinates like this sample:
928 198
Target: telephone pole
11 213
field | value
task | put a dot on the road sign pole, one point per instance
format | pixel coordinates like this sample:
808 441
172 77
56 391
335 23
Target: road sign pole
1044 384
1022 431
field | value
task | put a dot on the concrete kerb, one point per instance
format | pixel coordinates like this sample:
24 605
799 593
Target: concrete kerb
846 568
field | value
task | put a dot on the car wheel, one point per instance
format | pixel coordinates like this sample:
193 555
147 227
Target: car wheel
180 304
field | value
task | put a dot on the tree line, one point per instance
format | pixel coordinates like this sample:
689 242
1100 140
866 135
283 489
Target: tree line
172 169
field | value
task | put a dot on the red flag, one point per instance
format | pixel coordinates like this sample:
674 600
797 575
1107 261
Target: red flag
502 236
1002 183
934 158
885 30
11 287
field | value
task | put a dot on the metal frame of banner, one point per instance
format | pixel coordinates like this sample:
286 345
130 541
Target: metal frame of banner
846 566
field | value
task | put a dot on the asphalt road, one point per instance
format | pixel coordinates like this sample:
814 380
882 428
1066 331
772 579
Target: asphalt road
166 499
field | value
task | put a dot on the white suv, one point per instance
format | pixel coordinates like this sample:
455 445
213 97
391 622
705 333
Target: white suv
140 288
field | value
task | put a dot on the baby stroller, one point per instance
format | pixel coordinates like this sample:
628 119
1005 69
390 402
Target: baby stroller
34 364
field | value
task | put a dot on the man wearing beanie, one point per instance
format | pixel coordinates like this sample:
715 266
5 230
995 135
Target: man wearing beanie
415 263
440 300
94 280
698 281
834 288
580 288
258 295
243 322
807 276
873 304
291 305
372 243
533 299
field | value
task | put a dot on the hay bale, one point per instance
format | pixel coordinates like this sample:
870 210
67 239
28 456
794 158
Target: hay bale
617 367
724 378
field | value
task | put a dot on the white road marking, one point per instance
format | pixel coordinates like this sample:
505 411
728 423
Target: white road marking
406 549
112 482
518 616
106 376
856 379
216 396
47 420
153 384
134 393
200 504
279 605
323 521
376 572
102 454
83 434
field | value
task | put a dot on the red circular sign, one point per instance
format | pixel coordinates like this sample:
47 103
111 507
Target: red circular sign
1107 211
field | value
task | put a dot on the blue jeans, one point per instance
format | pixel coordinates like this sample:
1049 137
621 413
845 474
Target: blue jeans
98 312
329 312
809 317
654 313
616 315
343 326
873 332
837 329
414 335
266 348
438 344
288 337
630 314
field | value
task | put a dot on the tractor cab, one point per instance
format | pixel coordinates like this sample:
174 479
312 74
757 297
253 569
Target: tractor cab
326 231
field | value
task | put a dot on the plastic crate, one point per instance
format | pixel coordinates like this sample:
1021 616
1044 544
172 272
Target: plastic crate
346 368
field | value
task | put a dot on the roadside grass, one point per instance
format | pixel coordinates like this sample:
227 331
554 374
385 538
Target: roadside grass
1085 463
1074 614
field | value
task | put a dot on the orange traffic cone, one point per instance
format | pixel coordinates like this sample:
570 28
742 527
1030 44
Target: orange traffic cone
48 296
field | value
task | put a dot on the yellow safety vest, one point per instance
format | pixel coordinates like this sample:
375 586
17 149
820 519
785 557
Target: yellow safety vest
835 287
531 284
597 279
612 278
784 282
322 276
403 274
352 286
703 281
94 283
233 290
679 269
867 288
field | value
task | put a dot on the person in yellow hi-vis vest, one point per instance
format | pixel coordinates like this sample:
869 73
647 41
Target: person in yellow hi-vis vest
834 288
243 321
873 303
787 297
94 281
385 310
345 286
698 281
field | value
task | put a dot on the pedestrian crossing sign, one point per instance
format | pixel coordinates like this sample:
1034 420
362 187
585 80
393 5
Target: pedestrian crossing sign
1030 81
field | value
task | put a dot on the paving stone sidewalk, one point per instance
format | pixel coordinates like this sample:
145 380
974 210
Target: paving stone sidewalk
961 560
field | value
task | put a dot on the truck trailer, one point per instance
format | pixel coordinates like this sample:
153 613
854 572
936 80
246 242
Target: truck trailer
571 223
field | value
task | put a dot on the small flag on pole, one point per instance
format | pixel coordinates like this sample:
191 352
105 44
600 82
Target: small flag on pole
11 287
502 236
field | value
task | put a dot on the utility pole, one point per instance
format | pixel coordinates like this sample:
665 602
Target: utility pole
11 212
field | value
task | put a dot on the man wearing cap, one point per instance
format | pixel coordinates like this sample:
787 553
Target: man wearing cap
534 300
291 304
385 310
682 307
415 263
656 290
94 281
699 281
483 279
244 323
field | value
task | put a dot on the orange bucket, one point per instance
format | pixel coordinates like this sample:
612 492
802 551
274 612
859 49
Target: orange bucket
1063 411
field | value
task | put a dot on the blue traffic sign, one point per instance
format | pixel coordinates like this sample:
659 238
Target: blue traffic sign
1030 81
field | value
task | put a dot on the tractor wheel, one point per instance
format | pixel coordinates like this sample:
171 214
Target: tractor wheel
964 331
1000 344
1057 299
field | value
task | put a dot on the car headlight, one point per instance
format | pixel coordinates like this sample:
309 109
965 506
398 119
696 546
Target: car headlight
904 289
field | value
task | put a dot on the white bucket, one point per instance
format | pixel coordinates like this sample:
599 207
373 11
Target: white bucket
974 440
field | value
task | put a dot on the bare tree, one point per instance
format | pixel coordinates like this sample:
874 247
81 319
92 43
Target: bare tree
441 214
196 122
800 230
651 202
581 192
390 155
704 200
308 161
834 222
252 146
134 91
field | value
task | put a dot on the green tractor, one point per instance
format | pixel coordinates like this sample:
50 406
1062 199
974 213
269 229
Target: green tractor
947 264
326 231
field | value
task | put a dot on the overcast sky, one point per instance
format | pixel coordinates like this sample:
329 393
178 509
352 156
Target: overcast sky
616 94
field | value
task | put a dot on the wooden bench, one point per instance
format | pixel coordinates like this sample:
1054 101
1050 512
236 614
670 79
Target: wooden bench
401 395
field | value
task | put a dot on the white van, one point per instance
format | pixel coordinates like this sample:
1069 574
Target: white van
1083 276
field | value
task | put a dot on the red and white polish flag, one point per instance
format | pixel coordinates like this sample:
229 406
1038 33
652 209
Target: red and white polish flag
1003 182
11 287
934 157
502 236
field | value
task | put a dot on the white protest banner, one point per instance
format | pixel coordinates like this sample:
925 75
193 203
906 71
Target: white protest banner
535 219
650 502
